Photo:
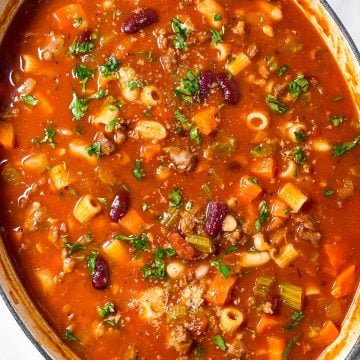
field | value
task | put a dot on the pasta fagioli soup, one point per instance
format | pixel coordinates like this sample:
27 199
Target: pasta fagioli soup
179 179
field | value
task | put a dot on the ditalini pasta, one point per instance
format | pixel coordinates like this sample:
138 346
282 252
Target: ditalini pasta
176 177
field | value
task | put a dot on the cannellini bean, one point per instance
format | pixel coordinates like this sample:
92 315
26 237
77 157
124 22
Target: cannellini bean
201 271
260 243
175 270
249 259
229 223
150 130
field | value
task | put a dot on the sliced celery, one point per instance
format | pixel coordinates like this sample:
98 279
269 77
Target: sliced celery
169 217
292 295
202 243
263 285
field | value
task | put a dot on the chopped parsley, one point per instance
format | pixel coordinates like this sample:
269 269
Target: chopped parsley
299 156
91 262
49 134
113 322
70 336
224 270
138 242
275 105
71 248
80 48
175 198
329 192
82 73
254 180
337 120
77 22
300 136
181 34
220 342
139 171
290 347
283 70
195 135
231 249
298 86
147 112
105 310
110 66
148 55
89 237
189 88
181 118
156 269
341 149
217 36
29 100
78 107
263 215
135 84
217 17
94 149
296 317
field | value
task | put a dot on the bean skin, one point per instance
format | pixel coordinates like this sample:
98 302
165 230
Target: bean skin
100 276
215 215
229 88
206 79
119 206
139 20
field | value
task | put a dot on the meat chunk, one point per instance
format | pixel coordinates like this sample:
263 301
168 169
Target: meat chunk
106 146
180 339
182 160
53 47
187 223
36 218
181 246
306 228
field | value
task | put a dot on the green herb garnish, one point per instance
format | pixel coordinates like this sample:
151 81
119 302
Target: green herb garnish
275 105
29 100
181 34
298 86
264 213
341 149
224 270
220 342
175 198
296 317
156 269
139 171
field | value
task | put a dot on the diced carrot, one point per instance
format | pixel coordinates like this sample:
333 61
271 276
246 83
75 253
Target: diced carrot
117 251
248 190
266 322
7 135
133 223
205 120
149 151
327 334
264 167
276 347
66 16
344 283
336 254
219 289
278 208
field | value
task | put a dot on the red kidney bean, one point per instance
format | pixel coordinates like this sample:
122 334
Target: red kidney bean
229 88
85 36
206 79
100 276
215 215
276 305
119 206
139 20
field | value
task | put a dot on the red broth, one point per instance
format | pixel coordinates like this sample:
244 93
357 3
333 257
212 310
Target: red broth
179 179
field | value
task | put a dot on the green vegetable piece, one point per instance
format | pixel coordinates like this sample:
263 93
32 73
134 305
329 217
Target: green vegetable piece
275 105
71 248
105 310
220 342
139 171
189 88
341 149
296 317
224 270
181 34
175 198
29 100
78 107
70 336
263 215
298 86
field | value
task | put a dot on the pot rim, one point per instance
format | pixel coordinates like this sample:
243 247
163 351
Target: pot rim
355 350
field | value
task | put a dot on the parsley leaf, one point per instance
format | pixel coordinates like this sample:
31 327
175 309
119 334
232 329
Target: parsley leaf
78 107
100 94
73 247
225 270
139 171
105 310
48 137
77 22
189 88
296 317
299 85
275 105
181 34
283 70
264 215
79 48
70 336
156 269
195 135
82 73
217 17
337 120
329 192
175 198
290 346
91 262
186 123
139 242
299 156
341 149
110 66
220 342
94 149
29 100
231 249
300 136
149 56
134 84
217 36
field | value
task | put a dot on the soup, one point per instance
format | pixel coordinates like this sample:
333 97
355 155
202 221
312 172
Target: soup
179 179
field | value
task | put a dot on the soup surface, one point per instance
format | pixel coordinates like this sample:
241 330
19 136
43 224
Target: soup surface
179 179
